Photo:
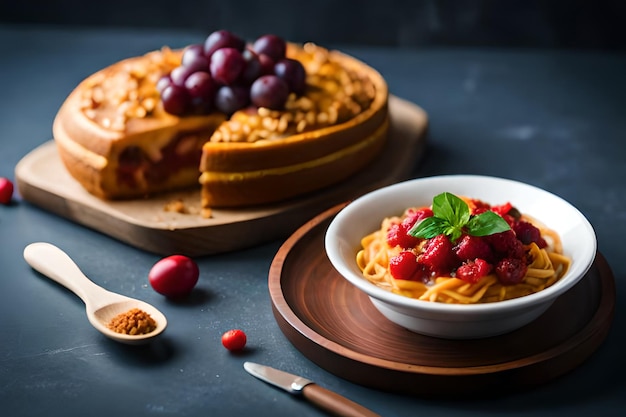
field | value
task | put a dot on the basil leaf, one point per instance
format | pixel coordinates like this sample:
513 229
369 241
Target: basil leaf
454 233
451 217
487 223
429 227
451 208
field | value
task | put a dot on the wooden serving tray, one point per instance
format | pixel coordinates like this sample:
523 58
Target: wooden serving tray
336 326
42 180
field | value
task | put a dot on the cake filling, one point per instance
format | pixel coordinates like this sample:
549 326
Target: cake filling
137 167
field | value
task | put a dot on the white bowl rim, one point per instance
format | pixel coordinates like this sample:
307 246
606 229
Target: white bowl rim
543 296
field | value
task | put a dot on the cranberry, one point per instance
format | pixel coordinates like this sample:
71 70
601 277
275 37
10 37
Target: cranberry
398 235
6 190
473 271
174 276
403 265
415 215
502 209
478 206
439 255
472 247
527 232
506 244
234 340
511 271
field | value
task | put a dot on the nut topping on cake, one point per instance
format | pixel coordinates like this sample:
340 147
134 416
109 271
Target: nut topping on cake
110 100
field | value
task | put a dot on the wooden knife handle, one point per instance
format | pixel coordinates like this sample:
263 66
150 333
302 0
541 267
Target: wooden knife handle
335 403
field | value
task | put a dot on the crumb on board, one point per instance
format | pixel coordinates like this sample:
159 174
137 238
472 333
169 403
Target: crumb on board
177 206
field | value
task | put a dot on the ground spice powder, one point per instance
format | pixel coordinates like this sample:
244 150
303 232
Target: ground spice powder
132 322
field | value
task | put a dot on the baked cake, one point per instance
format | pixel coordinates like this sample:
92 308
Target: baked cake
270 121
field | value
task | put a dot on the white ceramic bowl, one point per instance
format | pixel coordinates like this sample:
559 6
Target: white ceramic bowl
363 215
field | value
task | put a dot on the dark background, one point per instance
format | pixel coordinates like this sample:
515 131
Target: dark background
404 23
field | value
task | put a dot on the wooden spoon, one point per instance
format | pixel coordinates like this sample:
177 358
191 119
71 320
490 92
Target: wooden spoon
101 305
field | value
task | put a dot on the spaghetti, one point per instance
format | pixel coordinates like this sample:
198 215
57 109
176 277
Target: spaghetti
542 261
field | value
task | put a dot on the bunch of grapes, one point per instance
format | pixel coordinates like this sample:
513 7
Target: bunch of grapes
226 74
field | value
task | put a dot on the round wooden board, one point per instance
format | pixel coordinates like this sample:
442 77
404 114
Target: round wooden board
43 181
336 326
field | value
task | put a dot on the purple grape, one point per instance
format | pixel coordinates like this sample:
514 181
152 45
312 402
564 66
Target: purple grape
163 82
269 91
180 74
227 65
252 69
201 89
222 39
199 63
230 98
193 57
175 100
272 46
293 73
267 64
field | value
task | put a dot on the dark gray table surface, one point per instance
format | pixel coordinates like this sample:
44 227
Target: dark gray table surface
554 119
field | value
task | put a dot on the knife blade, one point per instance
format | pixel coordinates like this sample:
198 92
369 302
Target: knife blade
321 397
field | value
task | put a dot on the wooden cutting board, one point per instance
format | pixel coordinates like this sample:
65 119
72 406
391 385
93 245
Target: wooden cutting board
43 181
336 326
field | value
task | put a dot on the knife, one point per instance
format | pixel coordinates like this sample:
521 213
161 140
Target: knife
323 398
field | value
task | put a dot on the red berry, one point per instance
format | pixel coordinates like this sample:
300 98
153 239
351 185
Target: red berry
415 215
509 219
423 273
478 206
6 190
511 271
398 235
472 247
439 255
527 232
234 340
506 244
174 276
473 271
502 209
403 265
